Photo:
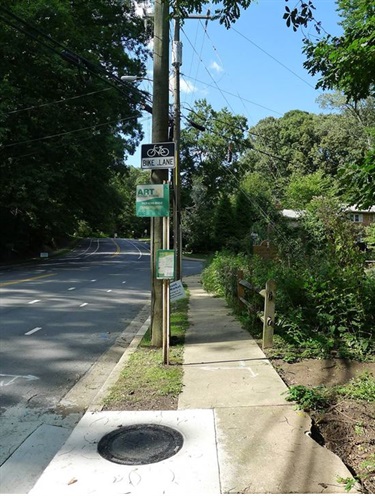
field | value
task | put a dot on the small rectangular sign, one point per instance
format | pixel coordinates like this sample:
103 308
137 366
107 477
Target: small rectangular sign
165 264
176 291
152 200
158 156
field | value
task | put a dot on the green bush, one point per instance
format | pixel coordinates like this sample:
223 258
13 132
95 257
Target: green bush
316 398
321 307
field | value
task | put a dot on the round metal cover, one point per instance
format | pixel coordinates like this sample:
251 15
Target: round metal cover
140 444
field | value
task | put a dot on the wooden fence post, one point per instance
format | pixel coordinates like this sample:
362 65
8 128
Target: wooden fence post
269 314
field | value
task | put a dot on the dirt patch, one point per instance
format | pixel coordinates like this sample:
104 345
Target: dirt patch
325 372
348 427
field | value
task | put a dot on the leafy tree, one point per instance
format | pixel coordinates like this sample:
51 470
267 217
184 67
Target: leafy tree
300 143
63 130
197 220
126 222
228 11
212 153
224 222
358 182
347 62
303 188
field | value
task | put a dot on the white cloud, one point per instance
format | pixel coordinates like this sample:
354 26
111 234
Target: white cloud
185 86
216 67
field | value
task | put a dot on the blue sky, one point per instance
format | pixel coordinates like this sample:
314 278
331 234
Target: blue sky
254 69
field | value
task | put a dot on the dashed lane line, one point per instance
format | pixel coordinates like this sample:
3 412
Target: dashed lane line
36 329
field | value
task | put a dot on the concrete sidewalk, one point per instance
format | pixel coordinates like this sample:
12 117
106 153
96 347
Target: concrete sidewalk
240 434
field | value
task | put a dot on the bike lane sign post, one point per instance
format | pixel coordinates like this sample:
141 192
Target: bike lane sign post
158 156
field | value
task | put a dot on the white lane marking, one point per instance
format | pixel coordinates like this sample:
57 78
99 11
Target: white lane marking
33 301
15 377
36 329
123 282
137 248
71 289
109 290
83 305
93 280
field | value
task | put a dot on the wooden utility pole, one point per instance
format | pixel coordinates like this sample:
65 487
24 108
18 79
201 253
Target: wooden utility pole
160 123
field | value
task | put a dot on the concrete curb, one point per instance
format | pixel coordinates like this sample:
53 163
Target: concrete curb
97 403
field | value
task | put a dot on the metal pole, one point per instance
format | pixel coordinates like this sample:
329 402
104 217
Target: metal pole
160 122
177 62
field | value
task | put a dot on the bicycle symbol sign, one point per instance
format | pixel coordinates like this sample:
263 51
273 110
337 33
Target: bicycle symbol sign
158 156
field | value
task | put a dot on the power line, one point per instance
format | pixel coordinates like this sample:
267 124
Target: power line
70 132
200 59
56 102
68 55
233 94
273 58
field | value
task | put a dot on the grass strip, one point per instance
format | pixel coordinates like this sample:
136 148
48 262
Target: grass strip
145 382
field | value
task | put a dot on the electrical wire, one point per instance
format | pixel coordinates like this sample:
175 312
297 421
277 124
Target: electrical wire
56 102
273 58
69 132
96 69
200 59
232 94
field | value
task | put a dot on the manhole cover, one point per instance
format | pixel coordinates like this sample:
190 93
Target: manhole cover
140 444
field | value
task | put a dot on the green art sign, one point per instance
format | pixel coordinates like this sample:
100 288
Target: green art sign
152 200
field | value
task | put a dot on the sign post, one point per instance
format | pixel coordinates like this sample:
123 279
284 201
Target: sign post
152 200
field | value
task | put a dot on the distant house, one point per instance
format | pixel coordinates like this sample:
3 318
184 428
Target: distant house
361 217
292 216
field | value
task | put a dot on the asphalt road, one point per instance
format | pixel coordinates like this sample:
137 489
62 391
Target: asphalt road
57 317
64 324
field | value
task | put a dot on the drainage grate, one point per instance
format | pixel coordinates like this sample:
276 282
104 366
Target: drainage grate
140 444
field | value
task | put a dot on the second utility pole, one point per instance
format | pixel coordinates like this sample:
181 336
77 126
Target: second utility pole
160 124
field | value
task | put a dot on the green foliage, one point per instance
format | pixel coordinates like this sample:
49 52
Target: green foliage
347 62
349 482
197 220
370 235
303 188
320 397
360 388
316 398
300 145
212 154
357 181
65 132
325 299
220 276
224 227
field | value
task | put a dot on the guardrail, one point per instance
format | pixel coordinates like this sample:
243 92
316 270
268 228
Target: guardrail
268 315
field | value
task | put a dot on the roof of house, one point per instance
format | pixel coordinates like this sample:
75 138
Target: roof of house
297 214
354 209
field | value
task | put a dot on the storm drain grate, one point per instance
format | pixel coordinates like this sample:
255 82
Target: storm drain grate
140 444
